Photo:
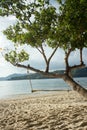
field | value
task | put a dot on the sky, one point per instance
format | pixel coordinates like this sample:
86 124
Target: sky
35 59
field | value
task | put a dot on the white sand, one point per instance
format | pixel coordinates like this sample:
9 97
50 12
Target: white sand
60 110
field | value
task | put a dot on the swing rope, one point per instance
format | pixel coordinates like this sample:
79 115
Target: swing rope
32 90
30 81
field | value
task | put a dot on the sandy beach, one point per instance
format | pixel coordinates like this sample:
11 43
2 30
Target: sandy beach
61 110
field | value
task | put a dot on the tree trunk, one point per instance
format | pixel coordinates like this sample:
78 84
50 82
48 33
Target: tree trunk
76 87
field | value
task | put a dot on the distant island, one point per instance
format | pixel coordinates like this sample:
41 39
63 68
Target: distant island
76 73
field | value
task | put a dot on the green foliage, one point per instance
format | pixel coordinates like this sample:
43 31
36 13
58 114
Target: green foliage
39 23
22 56
14 57
34 33
11 56
15 33
73 21
9 6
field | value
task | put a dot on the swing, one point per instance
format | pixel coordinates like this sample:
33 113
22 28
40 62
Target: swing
30 81
32 90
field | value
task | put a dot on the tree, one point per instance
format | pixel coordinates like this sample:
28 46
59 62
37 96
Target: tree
39 24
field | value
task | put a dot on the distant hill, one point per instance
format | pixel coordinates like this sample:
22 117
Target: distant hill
80 72
75 73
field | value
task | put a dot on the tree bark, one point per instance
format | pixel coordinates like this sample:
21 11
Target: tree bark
76 87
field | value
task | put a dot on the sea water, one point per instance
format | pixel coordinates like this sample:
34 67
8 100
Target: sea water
15 87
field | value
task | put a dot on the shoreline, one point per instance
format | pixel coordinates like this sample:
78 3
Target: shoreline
60 110
33 93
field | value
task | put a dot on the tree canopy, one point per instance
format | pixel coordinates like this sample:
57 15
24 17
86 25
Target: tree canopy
73 17
40 24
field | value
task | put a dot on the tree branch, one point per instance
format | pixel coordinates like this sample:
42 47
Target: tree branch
49 59
39 50
66 60
81 59
43 53
77 66
70 68
53 53
49 74
81 65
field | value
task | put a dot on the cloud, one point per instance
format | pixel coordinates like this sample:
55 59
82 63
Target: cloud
6 21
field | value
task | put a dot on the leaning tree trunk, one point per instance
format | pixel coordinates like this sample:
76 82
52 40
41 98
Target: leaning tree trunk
77 87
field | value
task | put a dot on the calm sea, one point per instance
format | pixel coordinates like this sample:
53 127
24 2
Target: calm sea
9 88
